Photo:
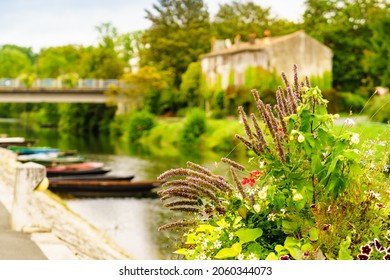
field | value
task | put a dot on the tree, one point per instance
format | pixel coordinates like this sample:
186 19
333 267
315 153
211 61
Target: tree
377 57
248 18
55 61
13 62
190 85
180 32
343 26
104 61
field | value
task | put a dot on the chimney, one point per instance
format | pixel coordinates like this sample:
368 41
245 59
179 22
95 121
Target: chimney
267 35
252 38
237 40
213 41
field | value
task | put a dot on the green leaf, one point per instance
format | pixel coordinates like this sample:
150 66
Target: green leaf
191 239
248 235
243 212
231 252
313 234
289 227
213 223
294 248
279 248
271 257
344 251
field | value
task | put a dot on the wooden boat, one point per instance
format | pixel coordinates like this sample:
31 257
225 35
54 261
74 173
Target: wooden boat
92 177
103 188
77 169
51 159
21 150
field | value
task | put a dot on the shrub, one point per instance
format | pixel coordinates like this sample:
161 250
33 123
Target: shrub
194 127
140 122
378 108
308 194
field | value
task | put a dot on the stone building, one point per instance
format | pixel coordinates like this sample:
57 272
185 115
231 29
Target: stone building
227 63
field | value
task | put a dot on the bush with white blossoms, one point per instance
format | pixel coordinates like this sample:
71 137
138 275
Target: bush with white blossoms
310 192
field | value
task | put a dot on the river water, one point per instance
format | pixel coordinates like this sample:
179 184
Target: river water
131 222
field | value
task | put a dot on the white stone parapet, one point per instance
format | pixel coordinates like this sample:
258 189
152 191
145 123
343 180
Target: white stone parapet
57 230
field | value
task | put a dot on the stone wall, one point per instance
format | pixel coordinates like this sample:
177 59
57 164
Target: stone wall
36 210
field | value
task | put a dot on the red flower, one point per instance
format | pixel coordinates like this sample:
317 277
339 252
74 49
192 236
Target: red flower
250 181
256 173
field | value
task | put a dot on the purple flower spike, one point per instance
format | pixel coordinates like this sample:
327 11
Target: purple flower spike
362 257
284 258
366 249
378 246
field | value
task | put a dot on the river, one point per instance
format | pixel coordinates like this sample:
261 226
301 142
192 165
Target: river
131 222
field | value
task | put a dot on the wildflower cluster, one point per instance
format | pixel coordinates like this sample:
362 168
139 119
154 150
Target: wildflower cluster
310 191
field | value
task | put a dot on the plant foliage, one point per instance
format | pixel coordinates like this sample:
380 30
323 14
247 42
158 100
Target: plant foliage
311 192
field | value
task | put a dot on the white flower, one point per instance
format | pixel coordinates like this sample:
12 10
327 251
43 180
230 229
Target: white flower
240 256
369 153
205 243
301 138
262 194
201 256
257 208
261 164
297 195
252 256
271 217
231 236
294 131
349 122
217 244
283 210
251 192
355 138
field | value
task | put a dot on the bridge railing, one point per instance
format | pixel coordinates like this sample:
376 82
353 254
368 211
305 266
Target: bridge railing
60 83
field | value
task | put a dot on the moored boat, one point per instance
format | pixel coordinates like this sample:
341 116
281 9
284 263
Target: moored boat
52 158
77 169
21 150
102 186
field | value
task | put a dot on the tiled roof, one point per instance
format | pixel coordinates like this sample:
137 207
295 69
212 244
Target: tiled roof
258 45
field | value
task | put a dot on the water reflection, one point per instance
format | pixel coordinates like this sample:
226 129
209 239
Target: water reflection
131 222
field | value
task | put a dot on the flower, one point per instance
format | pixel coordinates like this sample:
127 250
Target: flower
262 194
256 173
301 138
231 236
217 244
283 210
240 256
252 256
205 243
378 246
284 258
349 122
257 208
271 217
362 257
366 249
296 195
250 181
387 257
355 138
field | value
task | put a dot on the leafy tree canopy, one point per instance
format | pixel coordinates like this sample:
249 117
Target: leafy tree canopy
180 32
13 62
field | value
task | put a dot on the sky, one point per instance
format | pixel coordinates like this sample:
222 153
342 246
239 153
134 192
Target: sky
44 23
